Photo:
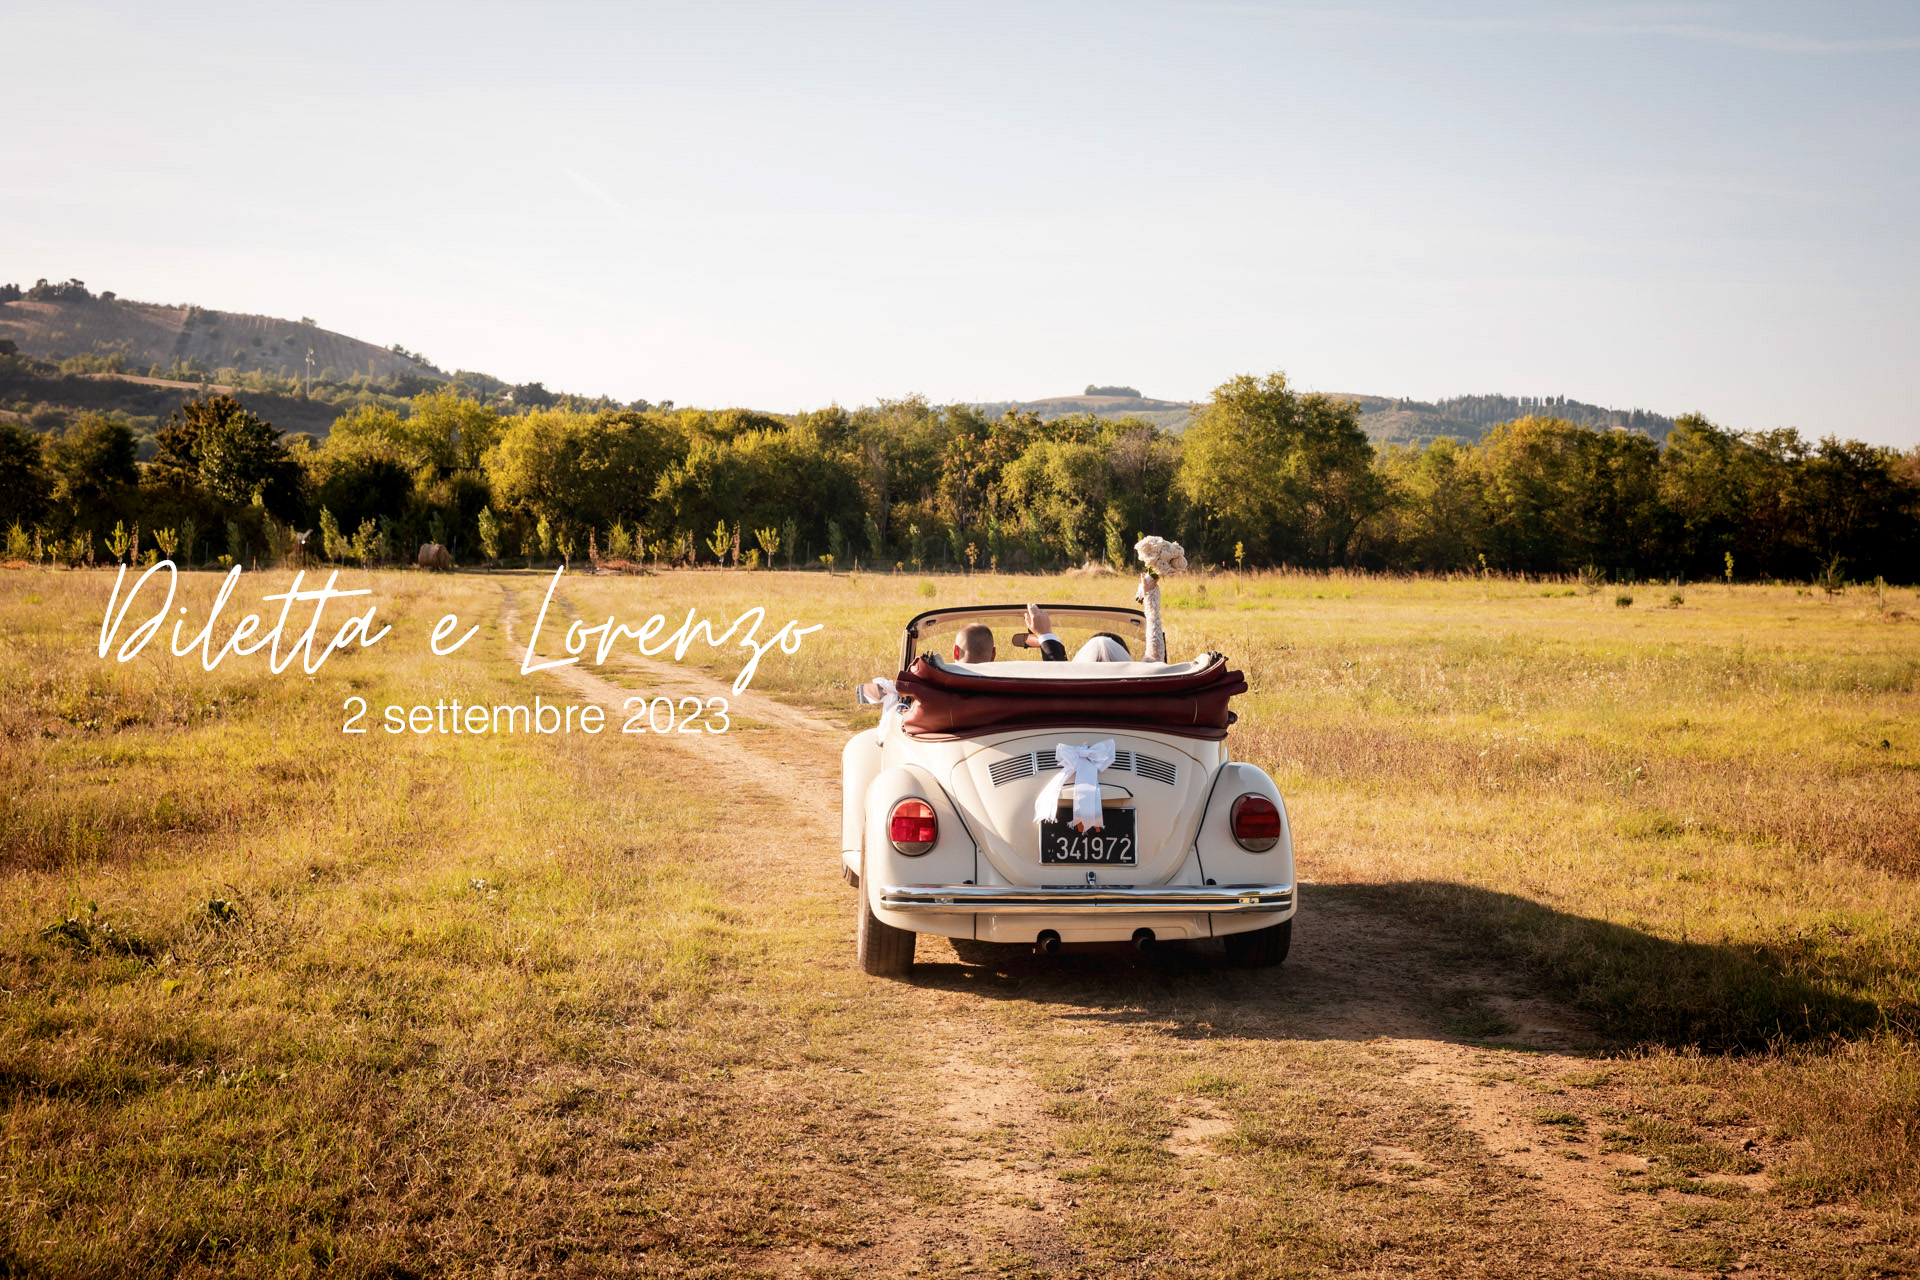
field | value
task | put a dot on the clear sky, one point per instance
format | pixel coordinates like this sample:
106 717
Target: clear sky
1674 207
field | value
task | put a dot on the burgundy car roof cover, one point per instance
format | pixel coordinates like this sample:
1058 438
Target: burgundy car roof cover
952 704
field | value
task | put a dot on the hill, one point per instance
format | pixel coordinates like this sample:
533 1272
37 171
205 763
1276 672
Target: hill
103 352
1385 419
1394 420
32 392
1171 415
62 322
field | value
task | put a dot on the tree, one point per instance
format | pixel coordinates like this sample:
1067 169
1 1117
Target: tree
220 447
1057 491
1290 475
719 540
1773 532
1560 496
1143 470
1531 471
755 470
334 545
1704 503
26 487
489 534
1859 508
594 468
358 476
176 459
241 454
68 291
366 542
93 468
1435 520
442 430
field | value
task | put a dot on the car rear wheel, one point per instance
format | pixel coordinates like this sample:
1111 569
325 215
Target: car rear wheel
884 951
1260 948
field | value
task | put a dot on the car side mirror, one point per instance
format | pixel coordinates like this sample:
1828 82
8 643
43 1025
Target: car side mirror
867 694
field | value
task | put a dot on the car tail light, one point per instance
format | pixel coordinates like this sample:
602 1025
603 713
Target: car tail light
912 827
1256 823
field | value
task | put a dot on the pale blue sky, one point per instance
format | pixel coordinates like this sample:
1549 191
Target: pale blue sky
1675 207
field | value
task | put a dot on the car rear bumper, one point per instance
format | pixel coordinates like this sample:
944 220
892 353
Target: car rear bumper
1001 899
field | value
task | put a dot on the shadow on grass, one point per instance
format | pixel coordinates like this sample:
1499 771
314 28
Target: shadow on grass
1368 957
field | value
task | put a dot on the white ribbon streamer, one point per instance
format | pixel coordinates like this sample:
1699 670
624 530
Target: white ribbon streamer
889 703
1081 766
1159 556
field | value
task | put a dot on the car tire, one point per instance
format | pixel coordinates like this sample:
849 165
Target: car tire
884 951
988 954
1260 948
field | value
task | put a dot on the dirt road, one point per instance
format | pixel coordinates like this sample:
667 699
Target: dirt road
1398 1107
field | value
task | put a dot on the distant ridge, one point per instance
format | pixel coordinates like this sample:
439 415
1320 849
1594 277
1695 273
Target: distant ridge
1171 415
1385 419
186 346
62 321
1394 420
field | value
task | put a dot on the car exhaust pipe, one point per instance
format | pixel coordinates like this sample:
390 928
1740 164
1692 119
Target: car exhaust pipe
1143 941
1048 943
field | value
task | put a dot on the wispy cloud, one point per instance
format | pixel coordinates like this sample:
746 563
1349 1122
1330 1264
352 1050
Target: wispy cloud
588 187
1666 24
1769 41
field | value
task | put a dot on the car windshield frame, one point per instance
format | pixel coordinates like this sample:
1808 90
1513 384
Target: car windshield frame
1123 621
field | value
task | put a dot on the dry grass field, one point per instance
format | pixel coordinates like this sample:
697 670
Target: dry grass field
1608 960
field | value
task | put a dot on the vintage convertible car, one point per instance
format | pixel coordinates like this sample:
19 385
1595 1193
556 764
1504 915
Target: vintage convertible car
971 809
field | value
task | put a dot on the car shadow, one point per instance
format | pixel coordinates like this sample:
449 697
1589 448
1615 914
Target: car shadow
1433 957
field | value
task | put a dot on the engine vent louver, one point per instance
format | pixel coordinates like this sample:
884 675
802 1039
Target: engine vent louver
1159 770
1014 768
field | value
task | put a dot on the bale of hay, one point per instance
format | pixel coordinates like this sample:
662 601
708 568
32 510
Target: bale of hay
436 557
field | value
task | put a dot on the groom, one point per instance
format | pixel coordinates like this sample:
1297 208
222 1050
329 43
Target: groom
974 642
1040 636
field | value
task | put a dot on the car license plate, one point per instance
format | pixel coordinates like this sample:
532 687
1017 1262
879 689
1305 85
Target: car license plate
1112 845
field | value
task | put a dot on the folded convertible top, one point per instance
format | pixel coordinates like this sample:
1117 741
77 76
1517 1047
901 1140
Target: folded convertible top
1191 702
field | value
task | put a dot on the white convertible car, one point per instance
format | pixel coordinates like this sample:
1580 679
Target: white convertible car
1039 805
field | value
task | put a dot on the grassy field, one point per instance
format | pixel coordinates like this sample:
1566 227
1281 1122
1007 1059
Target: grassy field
274 999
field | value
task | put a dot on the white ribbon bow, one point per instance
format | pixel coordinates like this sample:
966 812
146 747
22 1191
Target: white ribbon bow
1080 766
889 701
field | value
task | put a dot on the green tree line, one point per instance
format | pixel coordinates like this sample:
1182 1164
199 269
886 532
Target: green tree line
1264 475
